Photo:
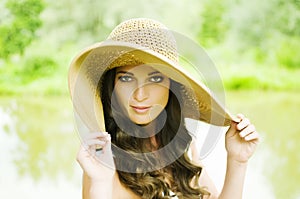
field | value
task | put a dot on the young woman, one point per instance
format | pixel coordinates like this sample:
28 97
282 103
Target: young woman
142 99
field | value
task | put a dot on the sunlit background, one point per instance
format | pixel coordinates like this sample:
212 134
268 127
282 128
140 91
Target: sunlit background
254 44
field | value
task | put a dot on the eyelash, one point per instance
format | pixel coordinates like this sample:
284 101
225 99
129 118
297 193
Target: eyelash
153 79
125 78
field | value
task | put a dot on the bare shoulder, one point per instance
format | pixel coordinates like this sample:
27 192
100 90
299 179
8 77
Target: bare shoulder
204 181
122 192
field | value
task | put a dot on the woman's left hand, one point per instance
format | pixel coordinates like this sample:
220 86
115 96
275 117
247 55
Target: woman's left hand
241 139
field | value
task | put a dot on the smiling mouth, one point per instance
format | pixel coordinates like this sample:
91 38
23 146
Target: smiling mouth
140 109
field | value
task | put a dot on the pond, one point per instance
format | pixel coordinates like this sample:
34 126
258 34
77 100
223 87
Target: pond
39 142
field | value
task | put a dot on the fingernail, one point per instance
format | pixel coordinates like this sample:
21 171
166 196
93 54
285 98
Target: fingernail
236 119
242 135
108 137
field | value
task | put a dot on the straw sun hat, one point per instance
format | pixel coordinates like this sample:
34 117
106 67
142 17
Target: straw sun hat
134 42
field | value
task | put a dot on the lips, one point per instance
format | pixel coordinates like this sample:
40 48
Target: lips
141 109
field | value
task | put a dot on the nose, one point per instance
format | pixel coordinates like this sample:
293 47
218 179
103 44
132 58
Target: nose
140 93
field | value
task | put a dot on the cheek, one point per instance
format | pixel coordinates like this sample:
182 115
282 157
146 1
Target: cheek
123 95
162 95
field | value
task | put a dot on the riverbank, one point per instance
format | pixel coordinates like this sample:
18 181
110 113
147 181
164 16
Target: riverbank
33 145
234 78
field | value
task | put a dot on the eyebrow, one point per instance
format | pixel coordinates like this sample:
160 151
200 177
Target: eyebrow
129 73
125 72
154 72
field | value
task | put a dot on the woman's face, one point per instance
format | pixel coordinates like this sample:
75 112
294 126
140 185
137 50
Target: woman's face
142 92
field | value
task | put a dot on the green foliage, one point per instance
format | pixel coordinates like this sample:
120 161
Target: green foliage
20 32
37 67
238 83
288 53
263 34
249 83
35 74
246 34
287 17
250 23
213 28
258 26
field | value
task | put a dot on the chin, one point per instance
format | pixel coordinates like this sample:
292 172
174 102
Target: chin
141 122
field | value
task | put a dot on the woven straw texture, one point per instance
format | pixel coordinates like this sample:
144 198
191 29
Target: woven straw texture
135 42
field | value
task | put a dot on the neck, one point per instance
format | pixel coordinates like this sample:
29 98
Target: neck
153 143
151 129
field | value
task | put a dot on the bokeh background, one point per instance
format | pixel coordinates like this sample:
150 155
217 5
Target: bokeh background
254 44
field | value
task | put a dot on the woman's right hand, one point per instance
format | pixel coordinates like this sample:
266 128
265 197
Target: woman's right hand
98 166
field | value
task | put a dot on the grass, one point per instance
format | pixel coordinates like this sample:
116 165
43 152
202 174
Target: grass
44 72
234 78
12 85
254 77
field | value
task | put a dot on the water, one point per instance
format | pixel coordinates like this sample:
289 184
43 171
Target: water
38 145
276 115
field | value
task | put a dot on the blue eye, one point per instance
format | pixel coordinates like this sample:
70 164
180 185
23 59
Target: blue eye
156 79
125 78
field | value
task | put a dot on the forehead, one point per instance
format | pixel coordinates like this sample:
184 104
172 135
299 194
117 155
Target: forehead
136 68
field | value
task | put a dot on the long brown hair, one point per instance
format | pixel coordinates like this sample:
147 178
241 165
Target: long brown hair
143 173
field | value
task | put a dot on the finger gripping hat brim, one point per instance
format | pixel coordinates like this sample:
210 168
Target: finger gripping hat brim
132 48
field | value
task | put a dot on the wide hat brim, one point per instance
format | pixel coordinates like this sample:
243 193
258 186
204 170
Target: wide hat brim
88 66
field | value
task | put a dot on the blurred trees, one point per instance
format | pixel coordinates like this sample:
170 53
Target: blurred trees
20 25
259 27
287 17
268 31
213 28
46 33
